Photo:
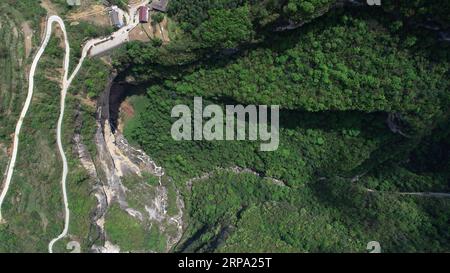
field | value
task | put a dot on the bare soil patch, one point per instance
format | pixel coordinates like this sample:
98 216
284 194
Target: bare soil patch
126 111
28 36
49 7
151 30
96 14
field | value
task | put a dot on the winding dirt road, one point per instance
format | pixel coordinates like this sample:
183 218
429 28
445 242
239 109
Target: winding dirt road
132 21
65 85
26 106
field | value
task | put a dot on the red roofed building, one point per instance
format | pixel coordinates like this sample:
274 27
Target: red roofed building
143 14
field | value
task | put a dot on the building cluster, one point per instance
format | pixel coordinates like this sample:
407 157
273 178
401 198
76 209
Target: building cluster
156 5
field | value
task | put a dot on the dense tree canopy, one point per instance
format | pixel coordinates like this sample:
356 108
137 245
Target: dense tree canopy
225 28
364 116
192 13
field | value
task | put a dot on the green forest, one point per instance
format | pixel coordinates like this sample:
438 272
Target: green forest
364 122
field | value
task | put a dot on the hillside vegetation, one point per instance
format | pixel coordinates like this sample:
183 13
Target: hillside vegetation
363 96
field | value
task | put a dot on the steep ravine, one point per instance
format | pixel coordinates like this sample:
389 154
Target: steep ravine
116 159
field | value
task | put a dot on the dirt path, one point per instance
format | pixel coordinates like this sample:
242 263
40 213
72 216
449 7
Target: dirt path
420 194
28 36
49 7
53 19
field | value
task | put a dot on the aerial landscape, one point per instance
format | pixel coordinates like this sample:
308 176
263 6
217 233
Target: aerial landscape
224 126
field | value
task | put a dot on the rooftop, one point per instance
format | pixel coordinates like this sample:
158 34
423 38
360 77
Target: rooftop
160 5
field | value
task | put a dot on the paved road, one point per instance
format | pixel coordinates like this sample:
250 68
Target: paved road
121 36
26 106
66 83
51 20
65 86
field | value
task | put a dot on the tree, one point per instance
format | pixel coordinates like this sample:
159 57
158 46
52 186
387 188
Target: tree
157 17
3 52
226 28
157 42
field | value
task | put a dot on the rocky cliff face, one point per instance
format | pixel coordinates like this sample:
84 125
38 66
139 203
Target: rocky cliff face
115 161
